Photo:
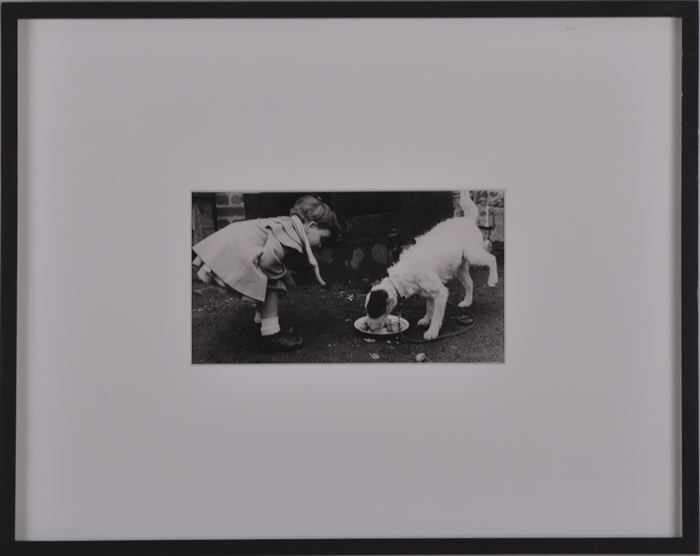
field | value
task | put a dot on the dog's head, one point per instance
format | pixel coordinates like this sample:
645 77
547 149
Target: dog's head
379 303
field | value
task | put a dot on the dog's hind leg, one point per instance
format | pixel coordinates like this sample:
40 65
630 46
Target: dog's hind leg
466 280
425 321
439 303
482 257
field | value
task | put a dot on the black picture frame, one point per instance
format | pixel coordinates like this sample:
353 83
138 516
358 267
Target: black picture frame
686 11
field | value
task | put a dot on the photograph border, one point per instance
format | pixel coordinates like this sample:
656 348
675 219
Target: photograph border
686 11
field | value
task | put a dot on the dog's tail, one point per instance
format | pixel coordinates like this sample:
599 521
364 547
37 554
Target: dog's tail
468 206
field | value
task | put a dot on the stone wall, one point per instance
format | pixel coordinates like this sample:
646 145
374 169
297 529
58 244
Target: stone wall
229 208
203 216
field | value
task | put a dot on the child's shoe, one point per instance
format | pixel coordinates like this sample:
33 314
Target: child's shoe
282 341
204 274
465 320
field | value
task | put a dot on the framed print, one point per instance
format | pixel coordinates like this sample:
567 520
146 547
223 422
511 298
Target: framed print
350 277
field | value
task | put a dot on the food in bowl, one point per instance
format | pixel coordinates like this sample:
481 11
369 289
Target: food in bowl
392 325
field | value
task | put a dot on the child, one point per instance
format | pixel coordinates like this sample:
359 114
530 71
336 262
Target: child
248 256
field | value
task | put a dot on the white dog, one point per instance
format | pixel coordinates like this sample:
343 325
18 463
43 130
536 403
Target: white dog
446 251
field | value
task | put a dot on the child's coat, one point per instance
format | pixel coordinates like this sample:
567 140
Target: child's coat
249 254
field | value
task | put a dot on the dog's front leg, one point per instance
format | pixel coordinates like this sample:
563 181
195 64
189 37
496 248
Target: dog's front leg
439 304
425 321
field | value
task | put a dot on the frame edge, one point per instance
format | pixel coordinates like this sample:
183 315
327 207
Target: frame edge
8 271
688 544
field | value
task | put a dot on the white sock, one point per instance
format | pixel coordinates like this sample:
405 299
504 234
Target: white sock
257 318
269 326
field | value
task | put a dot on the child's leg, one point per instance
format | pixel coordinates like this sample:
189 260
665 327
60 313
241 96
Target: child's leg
269 322
257 317
273 339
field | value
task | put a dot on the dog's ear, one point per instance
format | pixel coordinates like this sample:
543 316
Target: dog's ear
371 286
376 304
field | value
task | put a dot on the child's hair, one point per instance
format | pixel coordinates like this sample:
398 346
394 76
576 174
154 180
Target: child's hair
310 208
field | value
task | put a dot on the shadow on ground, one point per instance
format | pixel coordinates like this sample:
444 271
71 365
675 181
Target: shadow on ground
223 330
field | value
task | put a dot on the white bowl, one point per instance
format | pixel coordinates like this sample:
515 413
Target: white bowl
392 326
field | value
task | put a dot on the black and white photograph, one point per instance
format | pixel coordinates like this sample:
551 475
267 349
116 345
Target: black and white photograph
338 277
